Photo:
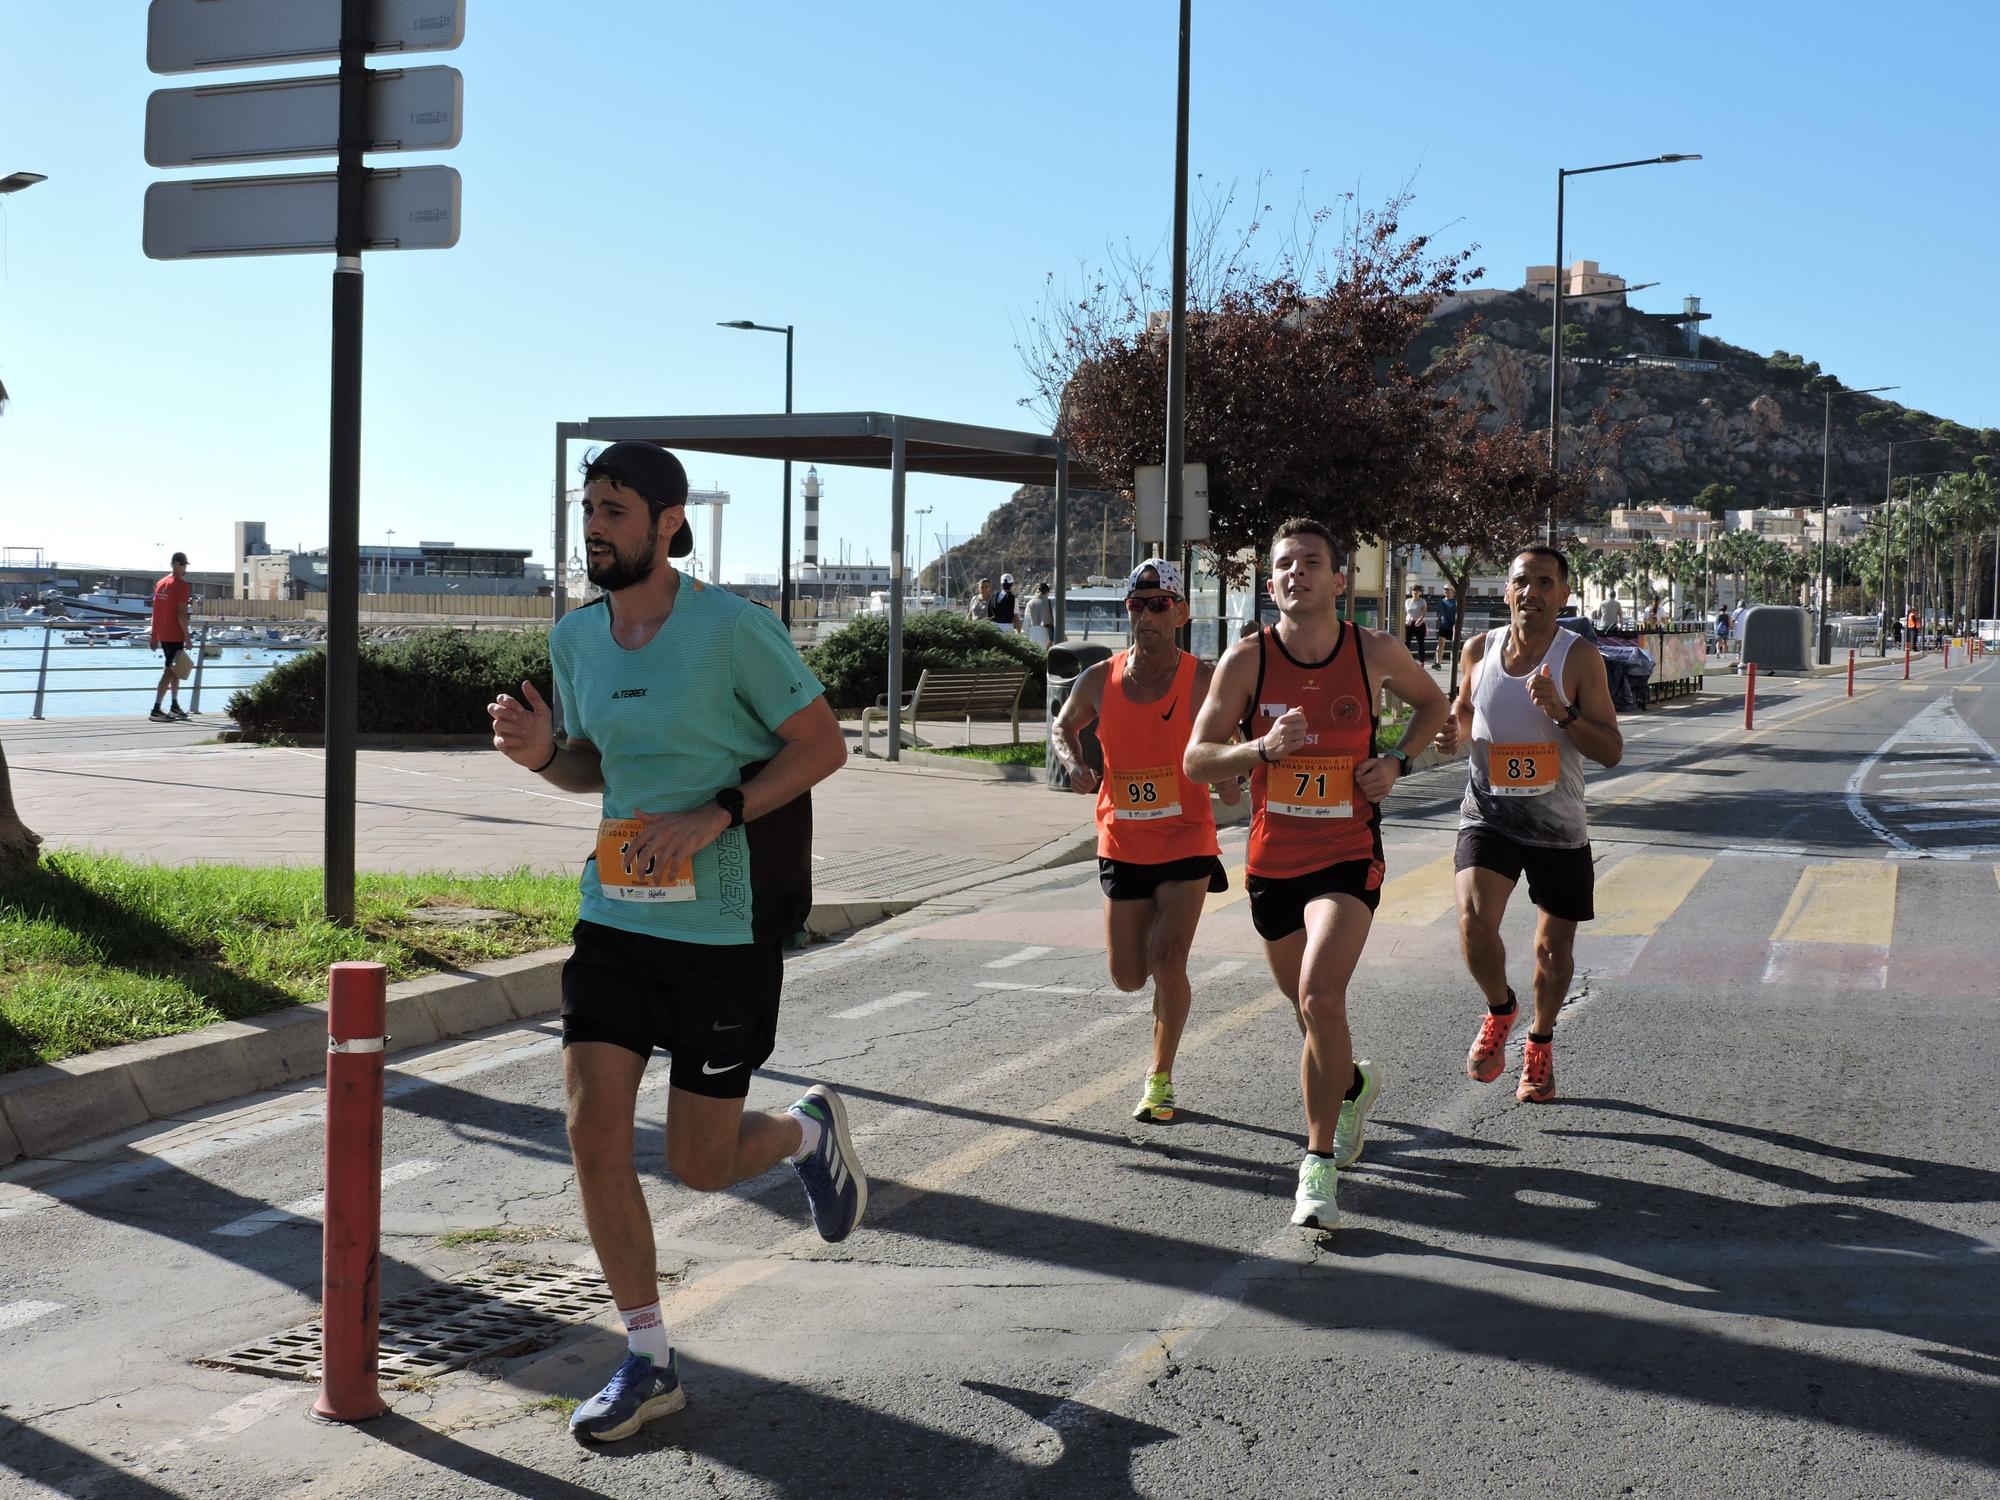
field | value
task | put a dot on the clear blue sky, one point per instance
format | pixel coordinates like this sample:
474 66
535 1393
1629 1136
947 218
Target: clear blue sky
896 180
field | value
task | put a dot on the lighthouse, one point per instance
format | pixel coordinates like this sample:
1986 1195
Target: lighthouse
809 492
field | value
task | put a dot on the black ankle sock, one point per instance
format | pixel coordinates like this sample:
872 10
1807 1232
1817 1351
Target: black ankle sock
1322 1155
1354 1088
1541 1038
1504 1010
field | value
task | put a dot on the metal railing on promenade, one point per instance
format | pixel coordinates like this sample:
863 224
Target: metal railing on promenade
42 670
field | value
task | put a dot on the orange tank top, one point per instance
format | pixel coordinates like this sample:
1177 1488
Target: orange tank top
1148 812
1304 811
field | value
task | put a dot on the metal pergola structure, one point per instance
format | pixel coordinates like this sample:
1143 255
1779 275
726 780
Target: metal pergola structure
860 439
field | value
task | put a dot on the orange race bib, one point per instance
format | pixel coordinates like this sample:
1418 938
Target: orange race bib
619 881
1523 770
1142 795
1311 786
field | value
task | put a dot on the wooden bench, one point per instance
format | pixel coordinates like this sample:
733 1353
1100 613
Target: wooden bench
951 695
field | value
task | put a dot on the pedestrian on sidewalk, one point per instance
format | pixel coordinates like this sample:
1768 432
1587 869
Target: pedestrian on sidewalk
1302 694
981 607
1416 615
173 598
1041 616
1447 621
690 710
1534 702
1157 855
1002 610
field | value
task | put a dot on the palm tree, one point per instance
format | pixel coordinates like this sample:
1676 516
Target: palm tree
18 842
1647 555
1682 565
1613 568
1584 565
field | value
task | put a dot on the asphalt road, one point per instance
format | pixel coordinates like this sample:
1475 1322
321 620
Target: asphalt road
1749 1251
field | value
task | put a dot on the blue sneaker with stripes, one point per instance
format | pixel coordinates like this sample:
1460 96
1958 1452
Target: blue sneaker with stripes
637 1392
835 1185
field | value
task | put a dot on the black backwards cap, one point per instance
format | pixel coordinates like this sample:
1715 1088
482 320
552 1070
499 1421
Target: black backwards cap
651 473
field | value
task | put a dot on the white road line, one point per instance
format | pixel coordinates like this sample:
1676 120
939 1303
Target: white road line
1221 971
1038 989
235 1418
311 1208
844 953
1952 824
1964 805
1932 791
14 1314
887 1002
1025 955
1951 770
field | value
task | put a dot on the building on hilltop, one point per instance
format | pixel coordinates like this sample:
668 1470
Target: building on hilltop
426 568
1582 279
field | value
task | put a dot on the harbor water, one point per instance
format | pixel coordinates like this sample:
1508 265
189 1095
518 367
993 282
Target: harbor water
91 681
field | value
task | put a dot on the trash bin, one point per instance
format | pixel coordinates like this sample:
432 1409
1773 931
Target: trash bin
1067 661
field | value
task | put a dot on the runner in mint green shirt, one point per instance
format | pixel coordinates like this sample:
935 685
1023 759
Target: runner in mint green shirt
689 709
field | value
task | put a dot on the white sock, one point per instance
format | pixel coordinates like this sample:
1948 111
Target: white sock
810 1131
646 1332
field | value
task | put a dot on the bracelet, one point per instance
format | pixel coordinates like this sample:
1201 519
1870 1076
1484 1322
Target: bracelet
554 751
1260 752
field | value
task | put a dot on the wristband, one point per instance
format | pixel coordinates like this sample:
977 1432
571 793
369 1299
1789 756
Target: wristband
1402 759
554 751
1260 752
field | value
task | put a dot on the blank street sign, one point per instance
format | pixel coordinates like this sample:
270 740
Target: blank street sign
409 208
409 109
188 36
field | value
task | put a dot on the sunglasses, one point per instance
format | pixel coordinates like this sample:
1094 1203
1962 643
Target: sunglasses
1157 604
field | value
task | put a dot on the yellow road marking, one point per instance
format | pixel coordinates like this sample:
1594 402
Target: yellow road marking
1230 897
1849 902
1636 895
1630 788
1422 896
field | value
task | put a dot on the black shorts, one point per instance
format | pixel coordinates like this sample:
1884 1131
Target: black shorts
169 648
1124 881
1278 903
713 1006
1560 881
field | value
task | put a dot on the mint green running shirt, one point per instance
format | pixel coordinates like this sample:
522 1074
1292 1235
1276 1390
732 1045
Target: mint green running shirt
676 721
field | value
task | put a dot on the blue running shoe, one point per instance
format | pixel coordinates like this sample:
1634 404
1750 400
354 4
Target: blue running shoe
835 1185
638 1392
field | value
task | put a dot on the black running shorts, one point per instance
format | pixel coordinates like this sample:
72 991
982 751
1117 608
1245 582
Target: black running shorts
713 1006
1278 905
1561 882
170 649
1124 881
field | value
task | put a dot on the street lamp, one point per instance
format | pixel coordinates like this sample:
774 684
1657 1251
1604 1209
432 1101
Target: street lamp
388 547
785 509
1563 174
1820 602
13 182
921 512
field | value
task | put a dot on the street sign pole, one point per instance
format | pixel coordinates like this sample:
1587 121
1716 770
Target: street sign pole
343 601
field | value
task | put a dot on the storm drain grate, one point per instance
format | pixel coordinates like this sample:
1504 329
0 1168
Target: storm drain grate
442 1327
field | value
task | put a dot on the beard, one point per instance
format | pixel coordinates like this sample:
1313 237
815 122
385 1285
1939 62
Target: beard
623 569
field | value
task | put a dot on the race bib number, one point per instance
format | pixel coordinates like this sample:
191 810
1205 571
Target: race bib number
621 881
1311 786
1142 795
1523 770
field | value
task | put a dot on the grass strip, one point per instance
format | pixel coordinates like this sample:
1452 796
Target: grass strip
1028 753
97 950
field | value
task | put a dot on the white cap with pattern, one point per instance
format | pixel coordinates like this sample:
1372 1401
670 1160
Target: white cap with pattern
1167 577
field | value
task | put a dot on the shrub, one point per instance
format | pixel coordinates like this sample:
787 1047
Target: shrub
853 662
435 682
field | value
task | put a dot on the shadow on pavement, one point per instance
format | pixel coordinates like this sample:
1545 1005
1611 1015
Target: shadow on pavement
45 1460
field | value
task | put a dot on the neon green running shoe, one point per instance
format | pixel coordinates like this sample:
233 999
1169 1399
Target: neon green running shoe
1314 1205
1353 1123
1157 1103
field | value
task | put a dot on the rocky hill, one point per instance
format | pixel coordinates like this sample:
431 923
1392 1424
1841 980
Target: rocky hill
1751 425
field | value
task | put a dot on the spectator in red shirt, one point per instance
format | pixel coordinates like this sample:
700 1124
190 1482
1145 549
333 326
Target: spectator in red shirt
172 597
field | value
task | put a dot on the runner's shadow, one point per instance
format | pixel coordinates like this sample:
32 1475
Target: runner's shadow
66 1469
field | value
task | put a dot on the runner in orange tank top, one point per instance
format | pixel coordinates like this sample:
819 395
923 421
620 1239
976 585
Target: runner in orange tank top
1155 829
1303 692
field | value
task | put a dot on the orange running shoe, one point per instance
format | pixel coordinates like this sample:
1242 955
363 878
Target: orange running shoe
1538 1073
1488 1057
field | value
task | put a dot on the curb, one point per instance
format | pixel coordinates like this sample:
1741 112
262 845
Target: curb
47 1109
366 741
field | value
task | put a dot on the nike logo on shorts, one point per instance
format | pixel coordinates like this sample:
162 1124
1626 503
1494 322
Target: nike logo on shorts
725 1068
737 1026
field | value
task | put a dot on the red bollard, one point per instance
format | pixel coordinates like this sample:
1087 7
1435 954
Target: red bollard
1947 655
1750 697
351 1299
1850 672
1906 656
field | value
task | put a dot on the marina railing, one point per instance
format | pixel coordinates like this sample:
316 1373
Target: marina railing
42 671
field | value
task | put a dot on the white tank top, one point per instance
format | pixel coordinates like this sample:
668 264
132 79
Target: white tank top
1526 778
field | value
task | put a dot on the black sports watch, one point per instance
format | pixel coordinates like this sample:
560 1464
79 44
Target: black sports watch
1572 716
730 800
